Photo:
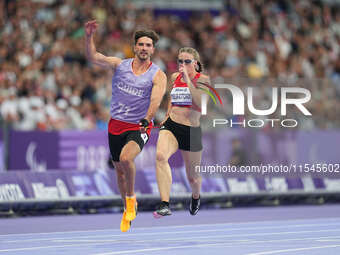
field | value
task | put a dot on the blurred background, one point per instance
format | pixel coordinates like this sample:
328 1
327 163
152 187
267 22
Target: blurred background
54 106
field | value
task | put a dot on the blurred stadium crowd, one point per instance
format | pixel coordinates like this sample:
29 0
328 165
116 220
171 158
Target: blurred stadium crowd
46 82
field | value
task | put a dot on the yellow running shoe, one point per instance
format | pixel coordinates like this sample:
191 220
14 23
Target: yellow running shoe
125 224
131 208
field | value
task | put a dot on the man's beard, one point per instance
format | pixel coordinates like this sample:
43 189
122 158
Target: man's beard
143 56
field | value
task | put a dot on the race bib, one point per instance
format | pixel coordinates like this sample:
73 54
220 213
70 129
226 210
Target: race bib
181 96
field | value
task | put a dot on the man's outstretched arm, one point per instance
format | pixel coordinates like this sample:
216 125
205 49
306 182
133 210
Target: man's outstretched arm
92 55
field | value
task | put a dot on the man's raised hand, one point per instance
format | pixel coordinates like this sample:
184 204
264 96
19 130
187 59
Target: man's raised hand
90 27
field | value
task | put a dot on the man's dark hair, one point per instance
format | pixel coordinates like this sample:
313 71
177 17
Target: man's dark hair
148 33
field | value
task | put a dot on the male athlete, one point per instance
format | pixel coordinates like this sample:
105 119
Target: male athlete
138 86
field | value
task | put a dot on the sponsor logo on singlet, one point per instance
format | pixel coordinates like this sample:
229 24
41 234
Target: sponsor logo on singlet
181 96
130 89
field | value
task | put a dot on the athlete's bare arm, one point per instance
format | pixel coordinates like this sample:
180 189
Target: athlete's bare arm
91 52
158 90
196 92
169 88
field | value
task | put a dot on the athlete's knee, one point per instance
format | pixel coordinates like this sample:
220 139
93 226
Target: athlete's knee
120 172
125 158
161 157
194 179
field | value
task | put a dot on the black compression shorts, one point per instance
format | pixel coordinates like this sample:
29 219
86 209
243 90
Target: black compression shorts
188 138
117 142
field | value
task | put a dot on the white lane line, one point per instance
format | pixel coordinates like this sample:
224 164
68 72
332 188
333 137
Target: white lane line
223 243
183 226
332 239
41 247
292 250
207 245
210 239
216 237
145 241
157 249
63 246
65 232
173 232
179 239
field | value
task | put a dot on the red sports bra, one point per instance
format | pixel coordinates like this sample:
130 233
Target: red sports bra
180 93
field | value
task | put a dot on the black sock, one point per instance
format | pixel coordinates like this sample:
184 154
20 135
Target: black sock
196 199
165 203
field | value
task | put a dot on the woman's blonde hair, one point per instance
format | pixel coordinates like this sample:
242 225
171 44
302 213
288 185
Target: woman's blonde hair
193 52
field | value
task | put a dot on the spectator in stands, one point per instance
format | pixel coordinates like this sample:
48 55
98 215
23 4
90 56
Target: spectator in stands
288 40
